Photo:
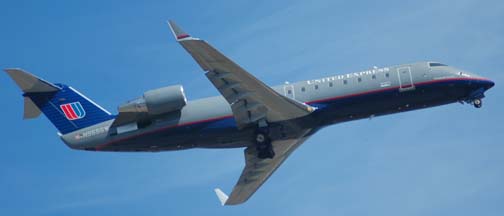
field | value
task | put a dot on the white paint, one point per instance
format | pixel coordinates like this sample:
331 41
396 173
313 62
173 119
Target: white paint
127 128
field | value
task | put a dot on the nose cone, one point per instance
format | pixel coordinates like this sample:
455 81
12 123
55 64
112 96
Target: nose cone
488 84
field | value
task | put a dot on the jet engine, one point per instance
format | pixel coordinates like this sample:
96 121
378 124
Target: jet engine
156 102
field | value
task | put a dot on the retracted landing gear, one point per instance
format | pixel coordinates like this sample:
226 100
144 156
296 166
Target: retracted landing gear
263 145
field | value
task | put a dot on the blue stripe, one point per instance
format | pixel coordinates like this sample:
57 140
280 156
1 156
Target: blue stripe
81 110
76 110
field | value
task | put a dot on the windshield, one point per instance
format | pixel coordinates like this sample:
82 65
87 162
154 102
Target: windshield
436 64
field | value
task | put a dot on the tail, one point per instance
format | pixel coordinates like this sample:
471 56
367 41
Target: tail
65 107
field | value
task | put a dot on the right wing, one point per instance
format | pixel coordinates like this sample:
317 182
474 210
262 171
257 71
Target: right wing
251 100
257 170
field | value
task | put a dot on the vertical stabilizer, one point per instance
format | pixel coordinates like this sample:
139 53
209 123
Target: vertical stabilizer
65 107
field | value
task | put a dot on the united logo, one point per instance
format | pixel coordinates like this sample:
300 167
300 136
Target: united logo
73 111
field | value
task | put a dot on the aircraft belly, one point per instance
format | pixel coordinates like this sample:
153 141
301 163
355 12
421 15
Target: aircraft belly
390 101
178 138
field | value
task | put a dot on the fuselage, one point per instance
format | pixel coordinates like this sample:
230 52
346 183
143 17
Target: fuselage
209 122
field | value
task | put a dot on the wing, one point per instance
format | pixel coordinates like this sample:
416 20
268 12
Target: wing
250 99
257 171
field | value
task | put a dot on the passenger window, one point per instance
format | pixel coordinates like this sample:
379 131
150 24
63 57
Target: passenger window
373 77
359 79
330 84
316 87
387 75
345 82
303 89
289 92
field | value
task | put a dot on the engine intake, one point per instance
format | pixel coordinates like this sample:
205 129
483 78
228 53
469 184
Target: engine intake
157 101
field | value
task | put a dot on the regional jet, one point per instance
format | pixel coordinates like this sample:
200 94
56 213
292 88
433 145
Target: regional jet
268 122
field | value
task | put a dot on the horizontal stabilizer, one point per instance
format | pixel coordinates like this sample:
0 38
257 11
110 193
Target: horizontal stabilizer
30 83
221 195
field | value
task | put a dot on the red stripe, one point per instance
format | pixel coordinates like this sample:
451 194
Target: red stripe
71 111
182 36
67 115
351 95
99 147
68 112
397 87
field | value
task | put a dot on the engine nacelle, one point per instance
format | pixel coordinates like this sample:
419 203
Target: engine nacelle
157 101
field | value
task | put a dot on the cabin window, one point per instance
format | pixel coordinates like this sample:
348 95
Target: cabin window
330 84
359 79
345 82
316 87
303 89
387 75
289 91
373 77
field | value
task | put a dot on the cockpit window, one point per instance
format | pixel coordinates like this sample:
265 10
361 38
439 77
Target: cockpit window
435 64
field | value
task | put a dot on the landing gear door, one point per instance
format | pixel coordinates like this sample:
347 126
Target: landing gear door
289 91
405 79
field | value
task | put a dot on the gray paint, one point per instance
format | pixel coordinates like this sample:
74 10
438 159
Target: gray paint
316 89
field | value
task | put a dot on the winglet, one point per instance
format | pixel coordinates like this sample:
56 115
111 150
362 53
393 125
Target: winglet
178 33
221 195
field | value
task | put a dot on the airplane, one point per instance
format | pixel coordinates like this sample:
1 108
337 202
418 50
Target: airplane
269 122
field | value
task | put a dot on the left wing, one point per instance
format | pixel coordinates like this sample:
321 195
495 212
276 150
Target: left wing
251 100
257 170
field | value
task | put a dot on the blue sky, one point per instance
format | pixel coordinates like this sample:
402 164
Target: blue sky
441 161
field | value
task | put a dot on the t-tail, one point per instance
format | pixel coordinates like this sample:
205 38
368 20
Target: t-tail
65 107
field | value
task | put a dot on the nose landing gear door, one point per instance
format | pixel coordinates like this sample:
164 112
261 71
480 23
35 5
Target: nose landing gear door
405 79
